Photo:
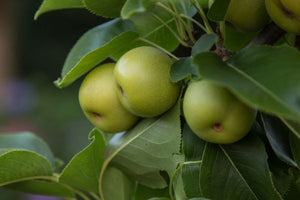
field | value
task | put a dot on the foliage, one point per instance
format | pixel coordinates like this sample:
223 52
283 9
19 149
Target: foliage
160 158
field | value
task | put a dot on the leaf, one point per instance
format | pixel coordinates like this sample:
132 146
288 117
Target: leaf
192 147
280 175
105 8
20 165
46 188
264 77
28 141
132 7
182 69
155 26
204 43
218 10
293 126
94 47
116 185
235 40
190 178
159 198
147 149
145 193
295 147
278 136
237 171
83 170
51 5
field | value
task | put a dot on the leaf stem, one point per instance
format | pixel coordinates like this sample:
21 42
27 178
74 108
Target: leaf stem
181 23
195 22
159 47
203 16
178 16
171 30
95 196
81 194
172 180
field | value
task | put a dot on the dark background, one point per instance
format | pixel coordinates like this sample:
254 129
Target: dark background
34 55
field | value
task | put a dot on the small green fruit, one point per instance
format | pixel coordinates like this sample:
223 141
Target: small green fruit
99 101
247 16
214 114
145 88
285 19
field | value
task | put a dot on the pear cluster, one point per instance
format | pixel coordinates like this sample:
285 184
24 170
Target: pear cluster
252 16
115 96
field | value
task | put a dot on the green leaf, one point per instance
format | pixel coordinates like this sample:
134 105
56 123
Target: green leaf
105 8
132 7
277 134
20 165
26 141
199 198
235 40
190 178
280 175
182 69
193 148
50 5
83 170
159 198
145 193
264 77
293 126
46 188
295 147
192 145
94 47
218 10
204 43
116 185
237 171
147 150
155 26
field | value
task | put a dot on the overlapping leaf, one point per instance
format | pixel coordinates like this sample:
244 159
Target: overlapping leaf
218 10
25 141
183 68
95 46
19 165
264 77
143 192
83 170
105 8
193 148
147 149
45 188
278 136
116 185
237 171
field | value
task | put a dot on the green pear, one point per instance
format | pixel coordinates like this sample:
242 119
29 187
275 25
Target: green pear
214 114
285 19
145 88
292 5
247 16
100 103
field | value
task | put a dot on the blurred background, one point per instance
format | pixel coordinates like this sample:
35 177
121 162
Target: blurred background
32 54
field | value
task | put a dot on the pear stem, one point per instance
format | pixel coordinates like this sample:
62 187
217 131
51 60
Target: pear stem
159 47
